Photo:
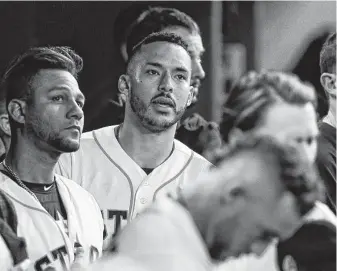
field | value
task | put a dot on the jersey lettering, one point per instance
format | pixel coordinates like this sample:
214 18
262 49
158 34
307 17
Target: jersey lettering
57 254
118 216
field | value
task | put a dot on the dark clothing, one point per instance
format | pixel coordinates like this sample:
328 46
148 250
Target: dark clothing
326 162
312 248
50 198
8 230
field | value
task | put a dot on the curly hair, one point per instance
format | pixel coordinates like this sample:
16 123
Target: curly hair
296 173
17 79
255 92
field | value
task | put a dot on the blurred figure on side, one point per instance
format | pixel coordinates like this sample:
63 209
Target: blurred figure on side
326 156
259 190
283 107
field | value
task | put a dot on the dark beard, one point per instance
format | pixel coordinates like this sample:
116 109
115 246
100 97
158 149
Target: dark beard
37 129
154 126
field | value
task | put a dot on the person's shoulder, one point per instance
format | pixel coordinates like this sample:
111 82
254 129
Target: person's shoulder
101 132
321 211
74 187
188 152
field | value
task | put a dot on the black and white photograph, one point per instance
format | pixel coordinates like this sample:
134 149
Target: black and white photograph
168 135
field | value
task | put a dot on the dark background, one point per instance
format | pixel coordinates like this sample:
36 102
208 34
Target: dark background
88 27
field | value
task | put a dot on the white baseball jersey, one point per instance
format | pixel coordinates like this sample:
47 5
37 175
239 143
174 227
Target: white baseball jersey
48 245
120 186
268 261
167 239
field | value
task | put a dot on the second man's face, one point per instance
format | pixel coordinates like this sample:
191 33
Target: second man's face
160 84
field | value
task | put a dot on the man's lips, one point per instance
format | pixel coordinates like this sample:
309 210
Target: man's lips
164 101
74 127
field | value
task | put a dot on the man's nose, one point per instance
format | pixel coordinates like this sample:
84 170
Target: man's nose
197 70
75 111
166 83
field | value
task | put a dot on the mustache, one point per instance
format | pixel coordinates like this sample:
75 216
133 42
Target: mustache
165 96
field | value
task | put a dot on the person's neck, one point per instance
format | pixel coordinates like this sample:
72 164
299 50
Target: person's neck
31 163
330 118
146 148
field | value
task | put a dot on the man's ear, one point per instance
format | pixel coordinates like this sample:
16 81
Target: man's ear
17 110
124 84
328 82
190 96
4 124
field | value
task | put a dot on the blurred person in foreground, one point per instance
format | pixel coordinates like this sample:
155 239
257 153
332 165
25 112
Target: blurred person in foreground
129 165
60 221
326 156
197 133
257 191
281 106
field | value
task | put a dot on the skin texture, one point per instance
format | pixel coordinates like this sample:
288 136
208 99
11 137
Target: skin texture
293 124
196 48
159 85
54 118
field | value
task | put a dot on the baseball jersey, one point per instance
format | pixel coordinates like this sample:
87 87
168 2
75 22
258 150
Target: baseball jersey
269 260
47 244
121 187
167 239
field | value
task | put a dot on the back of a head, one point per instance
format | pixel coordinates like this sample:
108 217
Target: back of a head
255 92
156 19
295 173
17 79
327 60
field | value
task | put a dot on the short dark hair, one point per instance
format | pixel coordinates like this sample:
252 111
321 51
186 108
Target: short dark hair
17 79
156 19
255 92
158 37
296 173
327 58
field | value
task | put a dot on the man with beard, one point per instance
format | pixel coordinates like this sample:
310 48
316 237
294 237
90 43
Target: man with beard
195 132
259 190
60 221
127 166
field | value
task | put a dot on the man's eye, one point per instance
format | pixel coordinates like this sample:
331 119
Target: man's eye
80 104
58 98
181 77
152 72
